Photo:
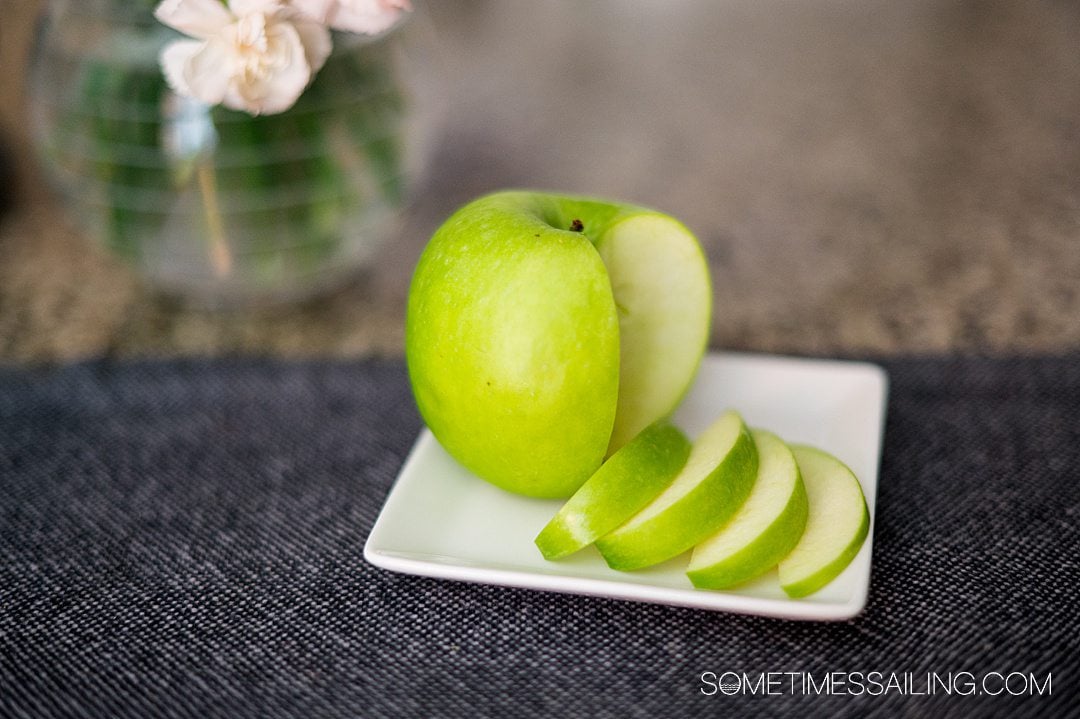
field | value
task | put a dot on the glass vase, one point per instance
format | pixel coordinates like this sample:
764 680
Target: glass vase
218 206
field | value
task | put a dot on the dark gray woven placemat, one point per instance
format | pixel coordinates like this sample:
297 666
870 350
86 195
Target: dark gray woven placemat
184 539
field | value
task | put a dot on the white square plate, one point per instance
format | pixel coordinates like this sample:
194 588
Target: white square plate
441 521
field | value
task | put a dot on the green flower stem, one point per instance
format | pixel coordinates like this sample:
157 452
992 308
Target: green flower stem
220 254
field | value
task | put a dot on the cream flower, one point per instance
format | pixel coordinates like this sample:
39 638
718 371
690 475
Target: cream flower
362 16
252 55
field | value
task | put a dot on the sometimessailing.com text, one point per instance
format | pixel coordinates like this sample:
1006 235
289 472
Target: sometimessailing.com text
876 683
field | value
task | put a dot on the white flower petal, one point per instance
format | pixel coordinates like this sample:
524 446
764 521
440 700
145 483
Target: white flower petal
367 16
401 5
174 59
208 71
293 75
260 58
198 18
316 40
288 75
247 7
236 99
317 10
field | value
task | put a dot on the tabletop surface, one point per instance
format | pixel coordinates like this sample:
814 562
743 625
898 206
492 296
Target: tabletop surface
865 176
185 538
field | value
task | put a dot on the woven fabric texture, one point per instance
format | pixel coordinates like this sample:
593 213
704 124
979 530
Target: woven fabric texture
184 538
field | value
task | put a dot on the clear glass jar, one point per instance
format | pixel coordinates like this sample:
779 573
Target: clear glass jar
214 205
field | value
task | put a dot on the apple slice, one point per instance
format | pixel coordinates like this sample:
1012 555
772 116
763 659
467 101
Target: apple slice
626 482
660 281
764 530
716 479
836 525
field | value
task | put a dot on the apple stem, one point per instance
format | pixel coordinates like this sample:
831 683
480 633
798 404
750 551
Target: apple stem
577 226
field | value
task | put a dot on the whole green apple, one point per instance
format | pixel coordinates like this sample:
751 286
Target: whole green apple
545 331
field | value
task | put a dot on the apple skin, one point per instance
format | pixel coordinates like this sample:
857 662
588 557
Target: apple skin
624 484
774 541
512 340
821 578
834 494
694 516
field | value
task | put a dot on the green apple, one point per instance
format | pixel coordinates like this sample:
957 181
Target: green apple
544 331
716 480
624 484
836 525
766 527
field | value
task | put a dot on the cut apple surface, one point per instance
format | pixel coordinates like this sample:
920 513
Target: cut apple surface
766 527
836 526
625 483
717 478
661 285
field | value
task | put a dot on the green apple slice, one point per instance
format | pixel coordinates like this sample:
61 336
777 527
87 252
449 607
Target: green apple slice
660 281
626 482
716 480
764 530
836 525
